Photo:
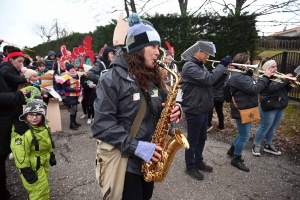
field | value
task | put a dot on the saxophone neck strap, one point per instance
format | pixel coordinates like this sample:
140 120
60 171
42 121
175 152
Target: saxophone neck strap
138 118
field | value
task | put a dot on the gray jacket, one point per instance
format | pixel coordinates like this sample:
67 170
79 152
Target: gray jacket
245 89
196 83
94 73
118 101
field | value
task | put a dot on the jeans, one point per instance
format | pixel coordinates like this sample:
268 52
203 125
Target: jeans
242 138
219 109
269 122
196 136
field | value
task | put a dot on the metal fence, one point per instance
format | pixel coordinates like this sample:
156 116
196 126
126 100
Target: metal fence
287 62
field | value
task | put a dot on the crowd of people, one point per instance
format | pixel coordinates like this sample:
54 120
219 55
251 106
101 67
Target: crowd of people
111 93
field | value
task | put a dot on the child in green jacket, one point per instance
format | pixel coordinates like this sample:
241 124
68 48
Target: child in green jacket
33 150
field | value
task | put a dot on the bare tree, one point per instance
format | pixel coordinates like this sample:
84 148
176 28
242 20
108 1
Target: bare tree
258 7
44 31
47 32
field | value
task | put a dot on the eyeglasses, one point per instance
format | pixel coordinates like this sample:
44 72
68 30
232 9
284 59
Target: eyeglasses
37 115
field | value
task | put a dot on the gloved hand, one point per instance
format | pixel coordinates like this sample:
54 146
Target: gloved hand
29 175
78 89
20 127
225 61
145 150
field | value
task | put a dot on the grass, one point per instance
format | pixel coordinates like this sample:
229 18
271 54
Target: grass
269 53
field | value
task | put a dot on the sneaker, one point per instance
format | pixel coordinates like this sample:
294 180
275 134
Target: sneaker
271 149
89 121
194 173
11 156
84 116
204 167
239 164
256 150
209 128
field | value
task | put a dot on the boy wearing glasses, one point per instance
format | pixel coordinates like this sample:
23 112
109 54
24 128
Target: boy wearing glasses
33 149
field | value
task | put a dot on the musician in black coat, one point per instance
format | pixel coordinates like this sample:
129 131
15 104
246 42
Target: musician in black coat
245 90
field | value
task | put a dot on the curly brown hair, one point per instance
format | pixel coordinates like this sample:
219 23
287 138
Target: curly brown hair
241 58
140 73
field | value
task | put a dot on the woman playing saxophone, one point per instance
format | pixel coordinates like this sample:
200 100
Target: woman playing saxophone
120 91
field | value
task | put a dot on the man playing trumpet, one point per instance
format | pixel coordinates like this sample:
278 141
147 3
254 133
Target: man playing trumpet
197 101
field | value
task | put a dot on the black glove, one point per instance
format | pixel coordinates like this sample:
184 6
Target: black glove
225 61
29 175
20 127
52 160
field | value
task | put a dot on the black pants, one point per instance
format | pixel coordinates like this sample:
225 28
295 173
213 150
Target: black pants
136 188
4 193
90 111
84 106
219 109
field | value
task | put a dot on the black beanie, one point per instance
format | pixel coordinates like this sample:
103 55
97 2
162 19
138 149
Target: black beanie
69 66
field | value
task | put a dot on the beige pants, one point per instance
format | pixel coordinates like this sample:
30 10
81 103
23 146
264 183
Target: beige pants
110 170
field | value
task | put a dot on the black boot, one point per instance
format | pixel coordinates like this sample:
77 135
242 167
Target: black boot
237 162
77 124
230 152
72 124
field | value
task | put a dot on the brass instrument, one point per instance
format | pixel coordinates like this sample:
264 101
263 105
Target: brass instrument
279 77
158 171
234 64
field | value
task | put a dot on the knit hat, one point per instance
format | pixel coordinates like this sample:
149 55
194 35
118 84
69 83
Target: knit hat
69 66
36 105
106 51
268 64
169 53
28 72
140 35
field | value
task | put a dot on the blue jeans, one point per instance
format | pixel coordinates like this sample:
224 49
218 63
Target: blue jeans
196 136
242 138
268 124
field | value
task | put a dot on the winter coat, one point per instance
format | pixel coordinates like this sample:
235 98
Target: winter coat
51 64
27 157
245 89
94 73
69 86
8 101
13 80
11 76
118 101
277 90
89 93
196 83
217 88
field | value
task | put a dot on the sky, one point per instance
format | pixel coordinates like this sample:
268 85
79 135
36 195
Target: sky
19 17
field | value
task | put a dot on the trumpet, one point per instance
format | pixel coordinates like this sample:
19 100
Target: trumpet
279 75
280 78
234 64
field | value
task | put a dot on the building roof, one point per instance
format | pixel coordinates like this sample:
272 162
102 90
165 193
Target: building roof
296 29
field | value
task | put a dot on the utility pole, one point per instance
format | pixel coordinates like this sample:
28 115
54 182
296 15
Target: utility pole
57 37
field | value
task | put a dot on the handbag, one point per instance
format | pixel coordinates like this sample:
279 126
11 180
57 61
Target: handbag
111 164
271 104
248 115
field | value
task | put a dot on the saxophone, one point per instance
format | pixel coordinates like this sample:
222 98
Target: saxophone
158 171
